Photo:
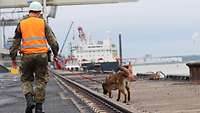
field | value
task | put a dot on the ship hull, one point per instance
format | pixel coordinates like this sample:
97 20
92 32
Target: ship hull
100 66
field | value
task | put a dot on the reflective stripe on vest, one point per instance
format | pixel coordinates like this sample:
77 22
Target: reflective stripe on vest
34 46
33 36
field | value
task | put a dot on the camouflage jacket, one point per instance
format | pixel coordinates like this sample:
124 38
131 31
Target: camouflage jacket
51 39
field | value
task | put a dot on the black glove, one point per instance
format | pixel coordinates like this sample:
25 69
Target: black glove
49 55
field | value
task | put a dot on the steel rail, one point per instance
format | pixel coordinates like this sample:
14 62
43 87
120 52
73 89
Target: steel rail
94 96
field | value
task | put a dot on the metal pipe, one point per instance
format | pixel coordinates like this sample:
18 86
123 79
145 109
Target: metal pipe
4 36
45 9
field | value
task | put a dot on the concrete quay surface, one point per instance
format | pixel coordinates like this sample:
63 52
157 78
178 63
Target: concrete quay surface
152 96
12 100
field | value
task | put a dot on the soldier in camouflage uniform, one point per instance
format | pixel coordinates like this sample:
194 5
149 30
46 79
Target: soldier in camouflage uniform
34 67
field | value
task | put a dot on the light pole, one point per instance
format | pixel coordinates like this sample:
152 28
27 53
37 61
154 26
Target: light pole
120 49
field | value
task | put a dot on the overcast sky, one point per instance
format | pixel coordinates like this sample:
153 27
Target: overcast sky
157 27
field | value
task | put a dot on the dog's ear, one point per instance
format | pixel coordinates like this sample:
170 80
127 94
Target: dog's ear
124 69
131 70
130 66
122 73
107 77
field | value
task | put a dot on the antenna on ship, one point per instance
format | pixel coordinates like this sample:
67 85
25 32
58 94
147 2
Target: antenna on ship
70 44
81 34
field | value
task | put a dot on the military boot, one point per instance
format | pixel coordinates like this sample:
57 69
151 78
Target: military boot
30 105
38 108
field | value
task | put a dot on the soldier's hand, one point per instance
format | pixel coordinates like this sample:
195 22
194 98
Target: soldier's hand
55 58
14 64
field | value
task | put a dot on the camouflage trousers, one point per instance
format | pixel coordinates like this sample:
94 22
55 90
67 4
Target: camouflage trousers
34 68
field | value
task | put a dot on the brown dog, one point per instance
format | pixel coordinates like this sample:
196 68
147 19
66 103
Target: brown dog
119 81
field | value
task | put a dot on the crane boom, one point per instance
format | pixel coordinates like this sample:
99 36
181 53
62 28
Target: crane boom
63 45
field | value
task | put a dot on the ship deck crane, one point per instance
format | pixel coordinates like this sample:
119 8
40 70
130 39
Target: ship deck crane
60 63
63 45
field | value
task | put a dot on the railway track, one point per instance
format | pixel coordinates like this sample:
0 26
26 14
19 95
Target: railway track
96 101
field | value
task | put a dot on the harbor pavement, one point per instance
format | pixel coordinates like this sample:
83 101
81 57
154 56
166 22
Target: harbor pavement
12 99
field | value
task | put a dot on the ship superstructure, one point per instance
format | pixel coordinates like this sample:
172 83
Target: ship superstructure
92 55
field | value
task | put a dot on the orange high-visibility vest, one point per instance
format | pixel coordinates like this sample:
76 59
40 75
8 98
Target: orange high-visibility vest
33 36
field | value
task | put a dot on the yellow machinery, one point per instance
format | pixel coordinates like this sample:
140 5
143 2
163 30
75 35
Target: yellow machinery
14 71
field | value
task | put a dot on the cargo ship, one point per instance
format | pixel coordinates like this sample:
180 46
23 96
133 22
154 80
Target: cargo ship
89 55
